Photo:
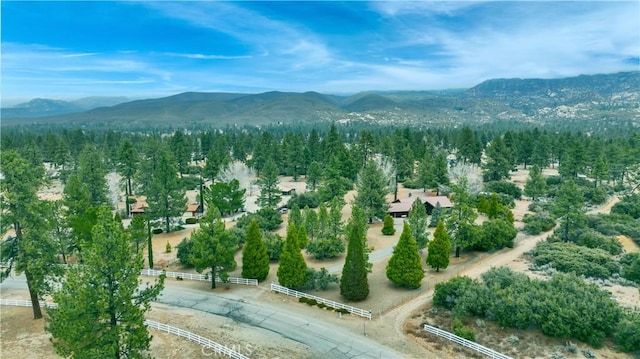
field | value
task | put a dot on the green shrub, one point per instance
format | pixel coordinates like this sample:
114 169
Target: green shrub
302 299
157 230
508 188
189 183
630 265
326 248
627 335
537 223
274 243
131 200
554 180
168 248
311 302
342 310
447 293
565 306
307 199
463 331
595 195
319 279
572 258
184 251
387 228
191 220
629 205
268 219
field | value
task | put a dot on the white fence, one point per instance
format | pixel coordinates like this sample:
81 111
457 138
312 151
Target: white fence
329 303
219 348
464 342
204 277
25 303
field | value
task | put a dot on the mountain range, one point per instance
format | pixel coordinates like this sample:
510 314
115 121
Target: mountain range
587 97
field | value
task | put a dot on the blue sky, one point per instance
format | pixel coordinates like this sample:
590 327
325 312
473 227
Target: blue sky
68 50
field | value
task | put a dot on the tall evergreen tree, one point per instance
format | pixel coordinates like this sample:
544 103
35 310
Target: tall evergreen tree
404 268
270 194
217 160
499 161
137 232
569 205
127 164
314 175
372 191
255 259
165 197
439 248
213 247
354 284
31 250
79 213
418 223
295 215
101 309
92 172
292 268
181 149
536 185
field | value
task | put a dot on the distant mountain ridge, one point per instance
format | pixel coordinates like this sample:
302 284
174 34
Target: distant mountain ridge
593 97
41 107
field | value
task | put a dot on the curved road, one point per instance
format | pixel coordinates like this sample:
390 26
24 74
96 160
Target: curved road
328 340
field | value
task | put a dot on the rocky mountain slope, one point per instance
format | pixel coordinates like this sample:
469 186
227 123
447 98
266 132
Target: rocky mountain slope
597 99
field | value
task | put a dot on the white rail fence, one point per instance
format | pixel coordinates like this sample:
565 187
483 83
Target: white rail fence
25 303
203 277
464 342
218 348
330 303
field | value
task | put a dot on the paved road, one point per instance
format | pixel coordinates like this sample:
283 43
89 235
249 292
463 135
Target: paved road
327 339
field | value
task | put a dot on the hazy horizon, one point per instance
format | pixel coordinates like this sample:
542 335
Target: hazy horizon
161 48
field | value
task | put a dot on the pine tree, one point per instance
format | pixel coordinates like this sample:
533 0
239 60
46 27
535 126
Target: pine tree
213 247
354 284
166 199
80 215
435 215
569 205
418 223
269 192
101 309
255 259
31 250
303 238
404 268
295 215
439 248
387 227
92 172
292 268
137 232
128 159
372 191
536 185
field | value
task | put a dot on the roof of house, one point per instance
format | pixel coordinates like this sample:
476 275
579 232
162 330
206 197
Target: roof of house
444 201
400 207
139 207
193 207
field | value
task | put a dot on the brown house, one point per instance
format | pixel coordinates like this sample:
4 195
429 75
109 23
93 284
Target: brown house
400 208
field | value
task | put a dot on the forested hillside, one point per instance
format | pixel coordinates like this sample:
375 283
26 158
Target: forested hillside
601 103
